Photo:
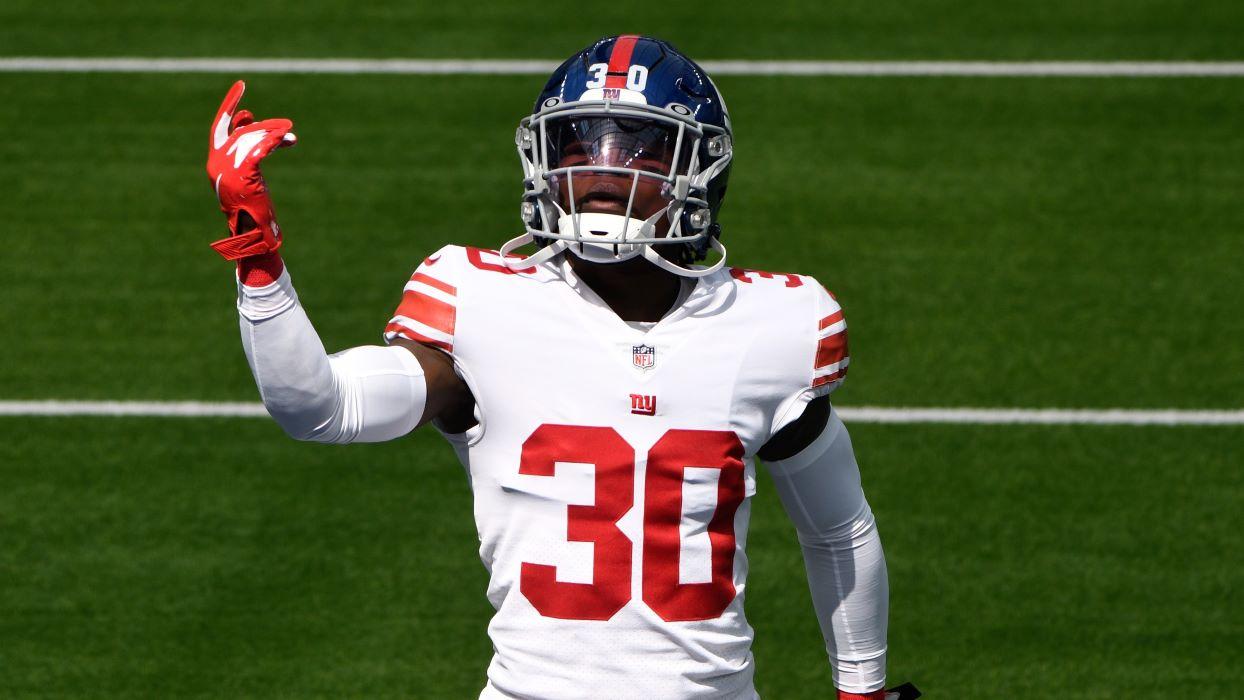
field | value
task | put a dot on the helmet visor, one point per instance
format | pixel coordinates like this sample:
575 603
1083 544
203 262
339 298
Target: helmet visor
600 141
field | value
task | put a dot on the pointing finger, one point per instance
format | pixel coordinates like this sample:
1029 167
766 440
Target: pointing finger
220 127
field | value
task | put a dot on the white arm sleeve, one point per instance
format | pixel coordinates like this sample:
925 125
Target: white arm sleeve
820 489
365 394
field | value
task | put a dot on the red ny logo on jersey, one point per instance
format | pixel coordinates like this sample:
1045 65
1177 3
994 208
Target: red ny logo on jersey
642 405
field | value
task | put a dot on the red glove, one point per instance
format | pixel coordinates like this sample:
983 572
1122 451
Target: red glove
906 691
236 146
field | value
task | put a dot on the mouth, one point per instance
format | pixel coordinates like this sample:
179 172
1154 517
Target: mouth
603 197
602 203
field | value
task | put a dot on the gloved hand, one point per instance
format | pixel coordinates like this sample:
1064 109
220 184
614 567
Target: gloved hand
906 691
237 145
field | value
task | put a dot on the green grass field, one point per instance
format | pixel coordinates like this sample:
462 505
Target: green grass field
995 242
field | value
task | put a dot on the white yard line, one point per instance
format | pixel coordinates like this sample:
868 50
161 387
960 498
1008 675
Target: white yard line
1119 69
862 414
1040 416
158 409
854 414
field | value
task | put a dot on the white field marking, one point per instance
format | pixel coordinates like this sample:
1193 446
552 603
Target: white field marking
403 66
854 414
1040 416
132 408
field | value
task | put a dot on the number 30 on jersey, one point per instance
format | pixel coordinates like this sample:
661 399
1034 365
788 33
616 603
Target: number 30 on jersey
614 462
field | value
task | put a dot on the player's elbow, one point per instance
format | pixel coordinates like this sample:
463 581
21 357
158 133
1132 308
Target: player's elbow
303 433
370 394
305 416
848 534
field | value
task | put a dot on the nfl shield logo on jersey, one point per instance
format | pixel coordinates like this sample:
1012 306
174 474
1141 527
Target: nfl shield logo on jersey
644 356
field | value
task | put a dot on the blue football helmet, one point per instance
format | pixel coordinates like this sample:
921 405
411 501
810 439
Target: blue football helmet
634 121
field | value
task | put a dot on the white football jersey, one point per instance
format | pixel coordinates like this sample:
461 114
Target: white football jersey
612 466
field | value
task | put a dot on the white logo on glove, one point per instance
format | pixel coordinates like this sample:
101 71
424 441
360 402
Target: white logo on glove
243 145
221 133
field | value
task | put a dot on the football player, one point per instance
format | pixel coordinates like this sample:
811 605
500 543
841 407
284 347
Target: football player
612 485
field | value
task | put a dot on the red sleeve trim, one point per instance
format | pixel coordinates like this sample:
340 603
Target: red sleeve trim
403 331
822 381
434 283
831 319
260 270
432 313
831 349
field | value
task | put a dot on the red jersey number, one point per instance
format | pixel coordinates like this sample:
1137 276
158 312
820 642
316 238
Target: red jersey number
668 461
614 462
475 256
743 274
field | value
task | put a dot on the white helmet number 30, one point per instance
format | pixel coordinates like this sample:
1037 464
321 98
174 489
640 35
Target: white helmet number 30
636 76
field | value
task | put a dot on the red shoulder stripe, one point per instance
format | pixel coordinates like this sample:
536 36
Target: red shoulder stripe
831 319
408 334
435 283
833 377
432 313
831 349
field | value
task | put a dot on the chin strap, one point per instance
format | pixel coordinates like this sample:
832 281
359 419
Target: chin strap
515 262
556 247
655 258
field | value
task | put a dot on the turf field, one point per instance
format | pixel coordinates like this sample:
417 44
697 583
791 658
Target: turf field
995 242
